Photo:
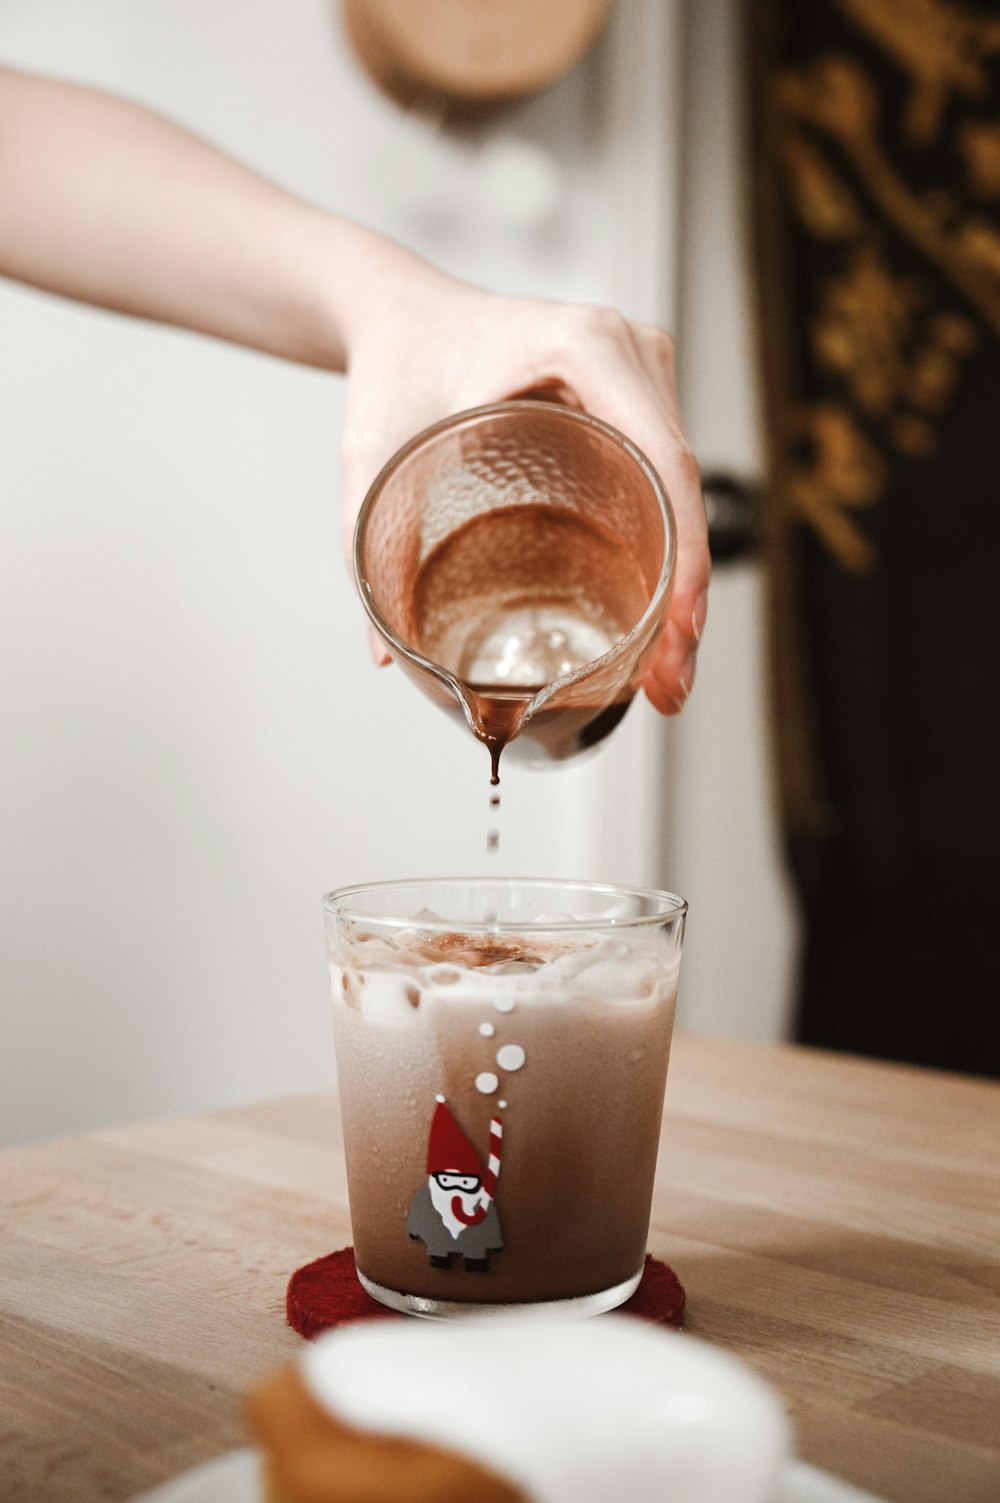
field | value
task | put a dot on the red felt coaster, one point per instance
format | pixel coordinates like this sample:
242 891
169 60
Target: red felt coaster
327 1293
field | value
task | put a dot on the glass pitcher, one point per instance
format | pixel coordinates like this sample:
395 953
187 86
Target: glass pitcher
517 561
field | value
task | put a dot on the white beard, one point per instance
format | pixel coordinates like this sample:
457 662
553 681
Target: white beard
441 1201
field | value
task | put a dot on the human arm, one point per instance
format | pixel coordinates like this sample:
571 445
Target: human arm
111 204
108 203
453 347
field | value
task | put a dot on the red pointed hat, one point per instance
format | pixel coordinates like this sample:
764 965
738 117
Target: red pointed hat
448 1148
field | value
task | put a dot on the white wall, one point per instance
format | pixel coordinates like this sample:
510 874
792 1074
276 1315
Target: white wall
741 947
195 746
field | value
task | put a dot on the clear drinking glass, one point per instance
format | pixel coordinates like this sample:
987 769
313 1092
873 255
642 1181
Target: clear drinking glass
517 561
502 1050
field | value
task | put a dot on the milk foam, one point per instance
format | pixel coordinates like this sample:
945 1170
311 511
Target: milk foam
572 1412
392 983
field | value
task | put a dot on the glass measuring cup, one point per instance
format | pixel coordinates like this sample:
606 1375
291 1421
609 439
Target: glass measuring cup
517 561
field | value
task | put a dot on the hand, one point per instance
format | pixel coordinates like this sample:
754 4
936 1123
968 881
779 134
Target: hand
434 347
113 205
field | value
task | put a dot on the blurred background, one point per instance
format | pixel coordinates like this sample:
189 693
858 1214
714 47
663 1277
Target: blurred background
196 746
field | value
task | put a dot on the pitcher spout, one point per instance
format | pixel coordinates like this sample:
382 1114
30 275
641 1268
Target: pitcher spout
495 717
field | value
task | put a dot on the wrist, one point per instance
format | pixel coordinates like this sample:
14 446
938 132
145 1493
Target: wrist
363 281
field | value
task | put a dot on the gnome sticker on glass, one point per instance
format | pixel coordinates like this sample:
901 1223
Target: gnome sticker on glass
454 1212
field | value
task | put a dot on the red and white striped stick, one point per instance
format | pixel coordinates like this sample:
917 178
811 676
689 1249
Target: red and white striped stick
493 1164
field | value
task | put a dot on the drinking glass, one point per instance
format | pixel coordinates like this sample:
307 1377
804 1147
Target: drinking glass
502 1050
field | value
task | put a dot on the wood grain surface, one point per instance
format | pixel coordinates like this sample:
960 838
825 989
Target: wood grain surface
836 1223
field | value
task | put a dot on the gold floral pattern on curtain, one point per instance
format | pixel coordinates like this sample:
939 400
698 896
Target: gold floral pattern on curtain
892 344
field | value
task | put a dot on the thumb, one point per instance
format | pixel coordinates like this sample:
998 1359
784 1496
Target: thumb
376 647
358 470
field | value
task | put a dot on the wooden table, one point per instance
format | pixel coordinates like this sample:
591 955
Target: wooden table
836 1223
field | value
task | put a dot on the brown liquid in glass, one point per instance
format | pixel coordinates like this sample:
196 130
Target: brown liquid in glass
578 588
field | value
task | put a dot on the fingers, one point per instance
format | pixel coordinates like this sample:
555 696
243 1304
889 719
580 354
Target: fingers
376 647
364 449
591 358
361 460
358 472
671 674
552 390
672 671
635 390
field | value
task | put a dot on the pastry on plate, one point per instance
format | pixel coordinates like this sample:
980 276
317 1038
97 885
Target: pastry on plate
506 1410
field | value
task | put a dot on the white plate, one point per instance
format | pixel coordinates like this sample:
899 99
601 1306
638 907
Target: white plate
236 1479
228 1479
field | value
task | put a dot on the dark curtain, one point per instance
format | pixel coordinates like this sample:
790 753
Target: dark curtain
876 177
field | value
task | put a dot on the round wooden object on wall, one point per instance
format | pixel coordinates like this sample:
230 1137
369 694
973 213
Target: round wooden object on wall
470 52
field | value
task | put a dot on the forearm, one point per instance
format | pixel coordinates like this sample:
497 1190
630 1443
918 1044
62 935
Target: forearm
105 202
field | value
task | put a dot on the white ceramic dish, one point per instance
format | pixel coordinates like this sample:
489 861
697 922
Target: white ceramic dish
236 1479
568 1410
